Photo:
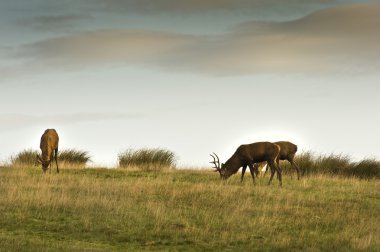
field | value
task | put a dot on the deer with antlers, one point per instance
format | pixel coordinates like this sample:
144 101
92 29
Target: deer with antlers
248 155
49 148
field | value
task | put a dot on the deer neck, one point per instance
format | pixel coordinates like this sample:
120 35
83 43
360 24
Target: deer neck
46 155
233 164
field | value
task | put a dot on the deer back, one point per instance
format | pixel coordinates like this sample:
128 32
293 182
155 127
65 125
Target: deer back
49 142
248 154
258 152
286 149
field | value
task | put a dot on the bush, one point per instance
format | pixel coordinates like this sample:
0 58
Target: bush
147 159
66 158
334 164
25 158
73 158
367 168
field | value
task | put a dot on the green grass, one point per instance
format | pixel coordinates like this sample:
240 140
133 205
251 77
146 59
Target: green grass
123 210
147 159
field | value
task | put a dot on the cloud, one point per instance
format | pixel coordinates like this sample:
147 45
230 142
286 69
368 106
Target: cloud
57 22
106 46
182 6
344 38
336 39
14 121
153 6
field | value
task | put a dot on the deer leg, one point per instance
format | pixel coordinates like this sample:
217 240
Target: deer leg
56 158
266 169
274 168
295 165
256 169
51 159
252 169
279 174
272 171
291 173
278 164
242 173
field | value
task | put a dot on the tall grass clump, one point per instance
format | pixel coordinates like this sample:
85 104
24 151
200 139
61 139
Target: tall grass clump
73 158
147 159
367 168
332 164
66 158
24 158
335 164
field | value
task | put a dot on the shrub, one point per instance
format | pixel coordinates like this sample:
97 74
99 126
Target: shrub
24 158
335 164
73 158
332 164
367 168
69 157
147 159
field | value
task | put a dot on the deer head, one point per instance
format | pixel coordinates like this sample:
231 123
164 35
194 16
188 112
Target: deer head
218 167
45 163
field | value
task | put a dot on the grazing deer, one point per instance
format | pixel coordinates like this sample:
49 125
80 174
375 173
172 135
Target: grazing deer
247 155
49 148
287 152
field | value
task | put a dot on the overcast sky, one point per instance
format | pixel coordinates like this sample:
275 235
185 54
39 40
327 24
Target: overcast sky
192 76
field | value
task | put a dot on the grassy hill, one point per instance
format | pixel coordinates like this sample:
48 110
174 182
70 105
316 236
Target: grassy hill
182 210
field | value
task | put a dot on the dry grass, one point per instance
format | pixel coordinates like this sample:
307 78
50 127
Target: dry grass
101 210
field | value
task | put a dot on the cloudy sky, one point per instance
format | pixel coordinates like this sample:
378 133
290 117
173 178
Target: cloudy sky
192 76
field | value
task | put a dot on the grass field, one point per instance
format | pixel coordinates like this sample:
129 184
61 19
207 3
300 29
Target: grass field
182 210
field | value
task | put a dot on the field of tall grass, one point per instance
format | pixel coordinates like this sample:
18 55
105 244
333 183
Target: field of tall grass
184 210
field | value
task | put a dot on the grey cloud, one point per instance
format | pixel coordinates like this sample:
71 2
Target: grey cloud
54 22
345 38
151 6
107 46
359 19
329 40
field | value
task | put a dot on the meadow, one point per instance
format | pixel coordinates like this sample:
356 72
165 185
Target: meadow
184 210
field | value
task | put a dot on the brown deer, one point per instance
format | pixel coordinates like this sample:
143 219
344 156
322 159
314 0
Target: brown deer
247 155
287 152
49 148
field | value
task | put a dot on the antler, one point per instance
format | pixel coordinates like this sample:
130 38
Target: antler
216 162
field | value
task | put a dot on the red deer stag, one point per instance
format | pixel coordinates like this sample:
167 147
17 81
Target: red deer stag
247 155
49 148
287 152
